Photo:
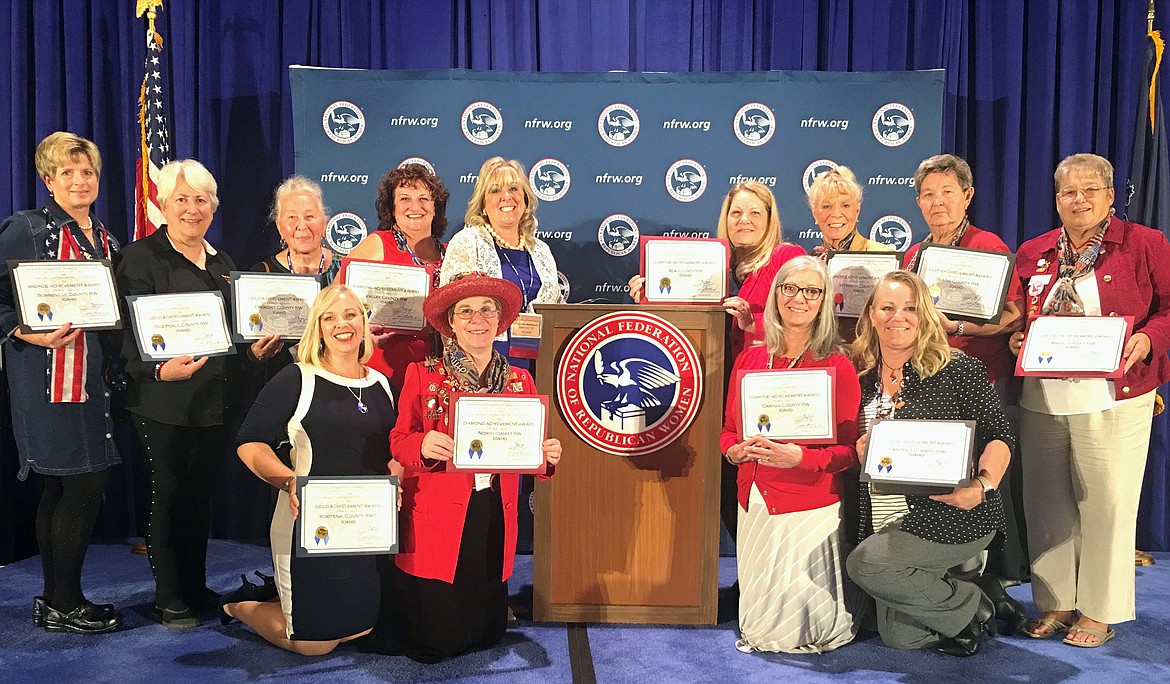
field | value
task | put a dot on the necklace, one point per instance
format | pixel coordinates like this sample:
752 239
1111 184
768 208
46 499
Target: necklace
500 240
361 406
795 359
525 288
358 395
320 266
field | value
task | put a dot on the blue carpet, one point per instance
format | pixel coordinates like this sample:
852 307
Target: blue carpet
145 652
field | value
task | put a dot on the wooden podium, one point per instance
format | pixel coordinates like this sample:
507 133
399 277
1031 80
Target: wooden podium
631 539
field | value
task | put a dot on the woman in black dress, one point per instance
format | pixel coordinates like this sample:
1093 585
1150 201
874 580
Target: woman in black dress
337 413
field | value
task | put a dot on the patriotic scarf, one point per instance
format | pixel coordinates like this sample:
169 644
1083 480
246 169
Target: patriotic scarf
68 365
823 250
1074 265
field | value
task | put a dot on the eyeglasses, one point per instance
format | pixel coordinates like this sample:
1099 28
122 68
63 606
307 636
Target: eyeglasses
1070 195
812 294
488 313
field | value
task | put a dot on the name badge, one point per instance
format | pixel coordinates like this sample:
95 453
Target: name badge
1037 283
525 334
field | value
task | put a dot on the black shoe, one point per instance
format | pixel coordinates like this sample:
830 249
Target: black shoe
1008 610
966 643
40 607
174 618
247 592
84 619
202 600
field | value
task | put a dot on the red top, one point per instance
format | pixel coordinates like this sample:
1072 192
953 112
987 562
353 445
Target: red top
815 482
992 351
434 501
1133 279
401 349
755 290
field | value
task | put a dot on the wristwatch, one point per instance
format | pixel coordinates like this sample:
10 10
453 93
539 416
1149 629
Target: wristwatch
987 486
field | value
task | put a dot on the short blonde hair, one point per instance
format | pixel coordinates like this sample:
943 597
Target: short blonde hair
196 175
759 254
294 185
58 149
837 181
495 172
931 351
311 350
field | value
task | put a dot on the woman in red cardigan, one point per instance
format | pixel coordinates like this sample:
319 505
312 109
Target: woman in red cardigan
791 567
458 530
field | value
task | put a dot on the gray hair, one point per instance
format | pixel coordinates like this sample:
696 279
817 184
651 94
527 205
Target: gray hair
944 163
824 334
1084 161
295 185
196 175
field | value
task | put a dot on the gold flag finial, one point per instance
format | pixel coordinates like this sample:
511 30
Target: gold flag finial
1150 18
150 7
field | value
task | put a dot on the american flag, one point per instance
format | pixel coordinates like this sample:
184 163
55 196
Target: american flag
156 138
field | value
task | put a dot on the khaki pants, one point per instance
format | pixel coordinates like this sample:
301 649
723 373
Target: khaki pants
1082 481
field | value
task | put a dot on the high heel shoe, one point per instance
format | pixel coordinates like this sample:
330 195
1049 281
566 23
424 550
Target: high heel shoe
967 642
1008 610
40 607
247 592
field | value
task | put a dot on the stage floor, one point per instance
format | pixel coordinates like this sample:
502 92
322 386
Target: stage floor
532 652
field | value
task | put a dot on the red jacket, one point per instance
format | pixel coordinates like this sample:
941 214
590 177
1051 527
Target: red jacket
814 483
755 290
1133 279
992 351
434 502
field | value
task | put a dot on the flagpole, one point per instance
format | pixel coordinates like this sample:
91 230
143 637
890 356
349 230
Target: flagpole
1150 18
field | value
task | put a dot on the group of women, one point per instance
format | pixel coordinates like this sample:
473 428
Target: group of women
923 561
346 400
357 399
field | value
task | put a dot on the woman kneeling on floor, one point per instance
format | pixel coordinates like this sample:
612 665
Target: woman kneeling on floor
337 414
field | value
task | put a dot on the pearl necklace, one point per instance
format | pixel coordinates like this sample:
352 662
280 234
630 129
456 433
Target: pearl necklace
501 241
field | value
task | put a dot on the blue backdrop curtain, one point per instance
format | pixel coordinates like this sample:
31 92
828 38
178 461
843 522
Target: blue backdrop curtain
1026 84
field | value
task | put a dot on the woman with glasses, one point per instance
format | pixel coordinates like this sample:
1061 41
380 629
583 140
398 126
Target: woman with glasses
1086 440
791 570
910 542
458 529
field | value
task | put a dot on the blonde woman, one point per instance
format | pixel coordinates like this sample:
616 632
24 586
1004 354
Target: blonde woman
337 414
500 241
910 542
835 200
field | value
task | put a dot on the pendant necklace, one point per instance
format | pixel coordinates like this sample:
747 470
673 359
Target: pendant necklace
362 408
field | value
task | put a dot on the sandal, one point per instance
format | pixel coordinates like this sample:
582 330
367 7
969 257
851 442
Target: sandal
1102 636
1046 623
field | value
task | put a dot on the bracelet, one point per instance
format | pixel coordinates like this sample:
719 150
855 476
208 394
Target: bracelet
287 485
960 329
158 371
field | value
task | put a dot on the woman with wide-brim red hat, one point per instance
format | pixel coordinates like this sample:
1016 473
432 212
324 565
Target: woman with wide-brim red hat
458 530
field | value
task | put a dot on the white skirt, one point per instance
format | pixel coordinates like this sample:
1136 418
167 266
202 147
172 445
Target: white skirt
794 596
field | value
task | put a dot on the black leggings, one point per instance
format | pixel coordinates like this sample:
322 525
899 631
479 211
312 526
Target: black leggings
182 462
65 518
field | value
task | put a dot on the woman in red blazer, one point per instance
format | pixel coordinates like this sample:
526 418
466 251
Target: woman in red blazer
458 530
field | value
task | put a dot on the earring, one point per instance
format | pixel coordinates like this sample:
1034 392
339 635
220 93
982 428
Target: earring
282 244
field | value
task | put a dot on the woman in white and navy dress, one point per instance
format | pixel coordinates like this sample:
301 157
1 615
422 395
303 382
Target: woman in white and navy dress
337 414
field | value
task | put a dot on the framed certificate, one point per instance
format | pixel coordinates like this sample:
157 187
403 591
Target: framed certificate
393 293
684 270
50 294
919 456
1074 347
186 323
346 516
966 284
498 433
271 303
791 405
854 275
